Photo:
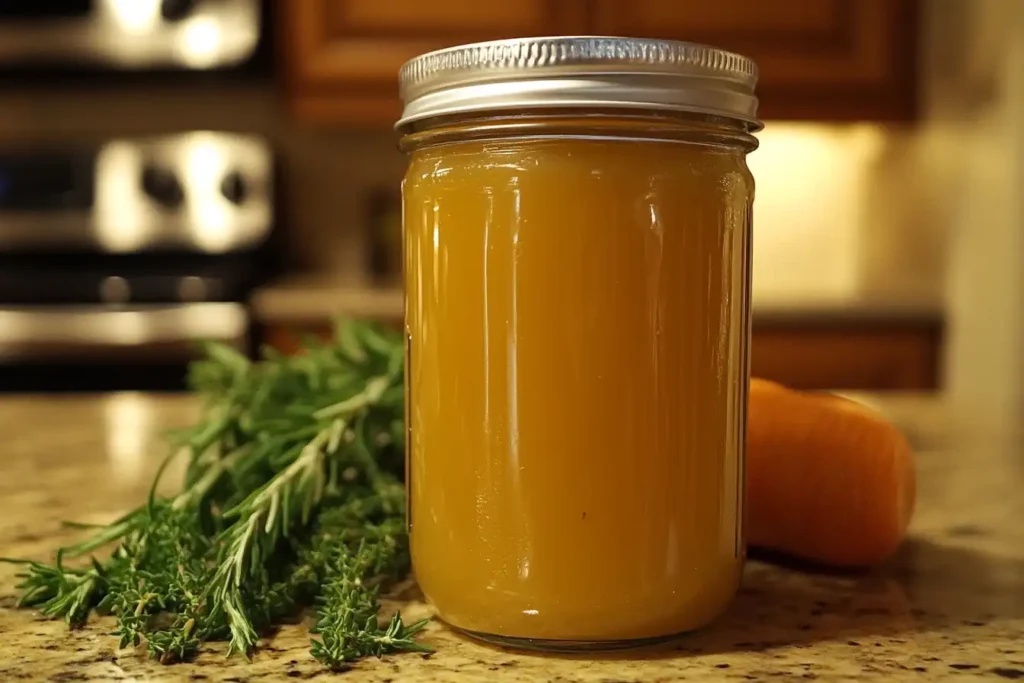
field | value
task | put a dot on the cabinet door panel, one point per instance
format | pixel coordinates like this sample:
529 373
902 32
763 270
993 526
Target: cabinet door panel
748 18
844 59
343 56
395 18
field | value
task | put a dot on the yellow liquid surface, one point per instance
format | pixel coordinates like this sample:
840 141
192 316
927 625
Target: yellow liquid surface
577 327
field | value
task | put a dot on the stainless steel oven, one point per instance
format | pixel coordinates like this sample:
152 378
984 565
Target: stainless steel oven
116 258
129 35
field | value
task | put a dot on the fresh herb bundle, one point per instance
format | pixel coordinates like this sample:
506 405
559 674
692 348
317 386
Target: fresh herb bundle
292 497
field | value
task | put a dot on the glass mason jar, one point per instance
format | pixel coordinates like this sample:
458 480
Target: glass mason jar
577 218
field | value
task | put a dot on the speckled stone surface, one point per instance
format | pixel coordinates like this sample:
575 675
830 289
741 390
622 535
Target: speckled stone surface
950 605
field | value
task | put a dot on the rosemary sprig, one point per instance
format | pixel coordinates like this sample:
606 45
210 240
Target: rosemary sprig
292 498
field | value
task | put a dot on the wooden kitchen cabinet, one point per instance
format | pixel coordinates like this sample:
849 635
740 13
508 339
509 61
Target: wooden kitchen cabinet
881 357
822 59
342 56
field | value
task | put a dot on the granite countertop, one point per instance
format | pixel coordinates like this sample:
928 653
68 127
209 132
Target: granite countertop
951 604
313 298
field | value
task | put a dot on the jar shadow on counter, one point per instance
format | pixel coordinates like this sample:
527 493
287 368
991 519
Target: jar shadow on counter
926 587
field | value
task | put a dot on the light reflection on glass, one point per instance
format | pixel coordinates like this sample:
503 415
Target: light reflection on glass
119 219
205 163
204 159
133 327
436 253
21 331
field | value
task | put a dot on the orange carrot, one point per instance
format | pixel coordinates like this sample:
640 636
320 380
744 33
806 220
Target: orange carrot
828 480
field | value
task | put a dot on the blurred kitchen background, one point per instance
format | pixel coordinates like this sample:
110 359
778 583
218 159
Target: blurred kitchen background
226 169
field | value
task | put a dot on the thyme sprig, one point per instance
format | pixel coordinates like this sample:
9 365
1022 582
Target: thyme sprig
292 497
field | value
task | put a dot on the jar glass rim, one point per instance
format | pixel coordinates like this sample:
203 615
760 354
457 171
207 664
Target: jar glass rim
610 123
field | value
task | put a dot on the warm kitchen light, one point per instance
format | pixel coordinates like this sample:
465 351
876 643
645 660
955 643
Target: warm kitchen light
812 187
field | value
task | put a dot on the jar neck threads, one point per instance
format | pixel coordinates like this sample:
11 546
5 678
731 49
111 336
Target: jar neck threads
613 125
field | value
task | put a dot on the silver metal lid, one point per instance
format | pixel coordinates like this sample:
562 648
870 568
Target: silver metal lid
579 71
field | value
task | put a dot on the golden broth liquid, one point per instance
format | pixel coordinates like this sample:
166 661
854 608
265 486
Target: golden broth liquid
577 319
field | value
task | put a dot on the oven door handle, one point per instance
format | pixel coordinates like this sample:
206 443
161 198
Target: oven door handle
128 333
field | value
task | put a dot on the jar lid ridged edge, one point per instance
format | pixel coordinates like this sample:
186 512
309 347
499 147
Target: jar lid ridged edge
521 60
527 53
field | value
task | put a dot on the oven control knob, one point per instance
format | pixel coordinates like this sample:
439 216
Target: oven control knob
234 187
162 186
176 10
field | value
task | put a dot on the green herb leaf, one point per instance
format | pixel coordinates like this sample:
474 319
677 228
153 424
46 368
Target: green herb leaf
292 498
